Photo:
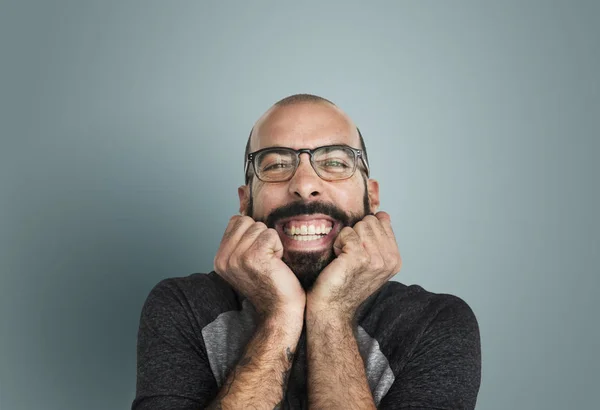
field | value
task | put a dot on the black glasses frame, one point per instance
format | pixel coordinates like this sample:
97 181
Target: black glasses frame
357 154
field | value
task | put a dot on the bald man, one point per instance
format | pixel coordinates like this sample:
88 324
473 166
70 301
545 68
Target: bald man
299 311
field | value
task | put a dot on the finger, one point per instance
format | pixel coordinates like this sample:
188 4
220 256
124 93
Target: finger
375 241
234 232
382 215
393 258
389 256
249 237
383 229
386 223
347 241
268 241
234 223
371 234
378 227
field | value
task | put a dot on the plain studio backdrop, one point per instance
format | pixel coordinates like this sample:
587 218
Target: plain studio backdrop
123 127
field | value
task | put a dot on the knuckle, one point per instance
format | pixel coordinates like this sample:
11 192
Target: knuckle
271 233
235 222
348 230
377 263
246 218
399 264
218 265
233 264
241 221
265 237
364 258
246 259
260 225
350 234
360 224
370 218
255 228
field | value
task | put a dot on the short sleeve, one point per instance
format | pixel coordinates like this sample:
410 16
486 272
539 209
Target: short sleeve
444 371
173 371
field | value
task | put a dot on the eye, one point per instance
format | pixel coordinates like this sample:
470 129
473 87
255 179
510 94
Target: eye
333 163
279 165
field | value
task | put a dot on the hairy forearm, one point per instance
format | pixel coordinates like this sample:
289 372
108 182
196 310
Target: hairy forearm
260 377
336 371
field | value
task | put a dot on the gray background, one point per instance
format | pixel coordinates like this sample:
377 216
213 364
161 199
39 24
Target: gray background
122 131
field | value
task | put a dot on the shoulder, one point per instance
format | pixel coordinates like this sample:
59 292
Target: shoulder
411 313
433 346
395 300
201 296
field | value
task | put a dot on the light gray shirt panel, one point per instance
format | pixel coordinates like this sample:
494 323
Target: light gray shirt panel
226 337
379 373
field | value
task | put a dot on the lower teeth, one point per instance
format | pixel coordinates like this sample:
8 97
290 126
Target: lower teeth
306 237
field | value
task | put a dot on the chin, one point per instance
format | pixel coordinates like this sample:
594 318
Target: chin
308 265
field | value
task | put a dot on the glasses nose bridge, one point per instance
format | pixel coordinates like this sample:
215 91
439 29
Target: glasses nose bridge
308 151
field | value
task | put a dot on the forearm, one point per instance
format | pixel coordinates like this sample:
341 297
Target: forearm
259 379
336 371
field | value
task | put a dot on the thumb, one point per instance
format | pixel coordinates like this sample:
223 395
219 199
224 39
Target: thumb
275 244
344 240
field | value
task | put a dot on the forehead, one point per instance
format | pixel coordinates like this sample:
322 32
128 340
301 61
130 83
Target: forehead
304 125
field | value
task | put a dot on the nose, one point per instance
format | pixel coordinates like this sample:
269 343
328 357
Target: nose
305 184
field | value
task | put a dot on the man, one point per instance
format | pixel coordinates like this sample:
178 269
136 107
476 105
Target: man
299 311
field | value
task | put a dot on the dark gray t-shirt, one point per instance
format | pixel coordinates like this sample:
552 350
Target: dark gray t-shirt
421 350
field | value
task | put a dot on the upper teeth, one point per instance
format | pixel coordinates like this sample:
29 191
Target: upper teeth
308 230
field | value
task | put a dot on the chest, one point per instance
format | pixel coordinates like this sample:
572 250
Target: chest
226 337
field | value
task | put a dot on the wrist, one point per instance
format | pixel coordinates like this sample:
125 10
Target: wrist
329 310
284 320
328 315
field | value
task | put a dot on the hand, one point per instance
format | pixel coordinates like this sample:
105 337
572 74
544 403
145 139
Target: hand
249 258
367 257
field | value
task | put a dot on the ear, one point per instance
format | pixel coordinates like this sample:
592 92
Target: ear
373 188
244 195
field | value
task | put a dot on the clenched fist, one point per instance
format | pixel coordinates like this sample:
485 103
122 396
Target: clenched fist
367 256
249 258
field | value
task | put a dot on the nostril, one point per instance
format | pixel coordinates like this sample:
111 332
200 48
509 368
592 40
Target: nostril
312 194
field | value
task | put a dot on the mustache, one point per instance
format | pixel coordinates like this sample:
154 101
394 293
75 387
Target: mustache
307 208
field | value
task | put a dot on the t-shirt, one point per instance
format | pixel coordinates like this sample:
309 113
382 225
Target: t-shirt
421 350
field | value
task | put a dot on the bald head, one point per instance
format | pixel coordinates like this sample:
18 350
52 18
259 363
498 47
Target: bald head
301 98
279 119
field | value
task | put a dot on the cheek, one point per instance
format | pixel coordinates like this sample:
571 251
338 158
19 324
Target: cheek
349 200
266 198
350 195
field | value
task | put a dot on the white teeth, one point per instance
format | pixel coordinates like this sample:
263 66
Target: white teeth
308 231
305 238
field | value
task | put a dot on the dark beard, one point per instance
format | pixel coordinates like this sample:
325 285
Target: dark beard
308 265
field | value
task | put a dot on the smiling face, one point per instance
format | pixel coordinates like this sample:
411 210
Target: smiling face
307 211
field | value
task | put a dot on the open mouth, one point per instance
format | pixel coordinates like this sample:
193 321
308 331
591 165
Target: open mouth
307 230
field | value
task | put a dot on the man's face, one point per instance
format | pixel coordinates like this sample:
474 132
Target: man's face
307 211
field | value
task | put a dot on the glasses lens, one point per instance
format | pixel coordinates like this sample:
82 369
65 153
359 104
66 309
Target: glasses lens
334 162
275 164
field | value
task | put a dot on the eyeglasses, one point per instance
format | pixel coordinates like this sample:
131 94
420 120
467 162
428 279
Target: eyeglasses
279 164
